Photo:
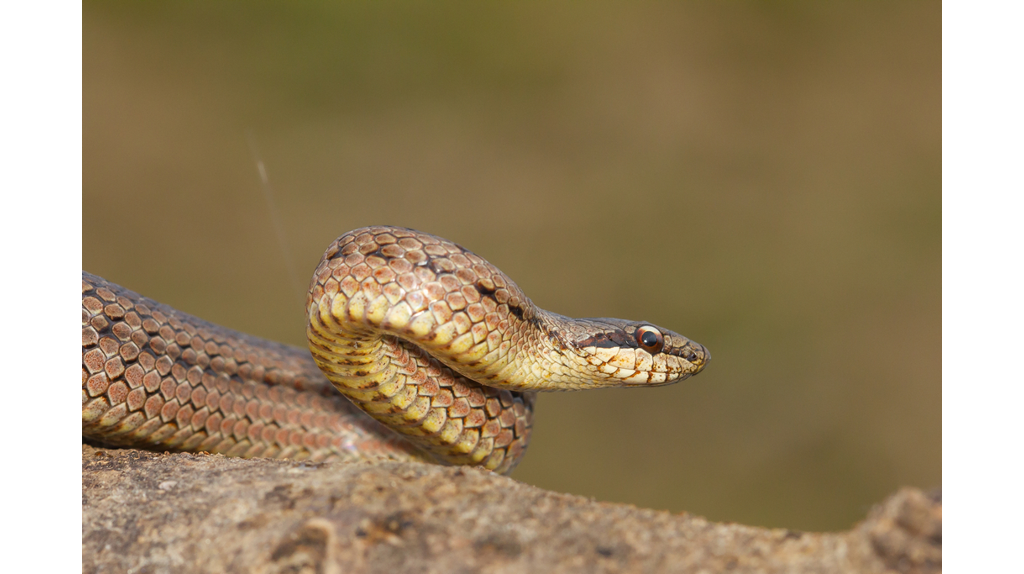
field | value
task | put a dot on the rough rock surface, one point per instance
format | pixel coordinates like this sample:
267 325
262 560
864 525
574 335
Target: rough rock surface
149 512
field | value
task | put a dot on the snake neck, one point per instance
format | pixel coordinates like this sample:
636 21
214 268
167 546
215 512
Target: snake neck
454 419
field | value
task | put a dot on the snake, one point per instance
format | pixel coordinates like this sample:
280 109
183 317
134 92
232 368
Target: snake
418 350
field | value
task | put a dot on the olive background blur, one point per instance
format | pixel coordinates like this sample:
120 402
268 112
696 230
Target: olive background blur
762 177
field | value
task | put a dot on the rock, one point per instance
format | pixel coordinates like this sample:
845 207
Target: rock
153 513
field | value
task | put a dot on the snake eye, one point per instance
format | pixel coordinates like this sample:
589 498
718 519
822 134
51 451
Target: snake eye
650 339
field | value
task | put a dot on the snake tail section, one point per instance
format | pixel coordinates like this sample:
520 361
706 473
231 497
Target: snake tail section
154 377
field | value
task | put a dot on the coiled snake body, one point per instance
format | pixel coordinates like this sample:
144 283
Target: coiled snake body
438 346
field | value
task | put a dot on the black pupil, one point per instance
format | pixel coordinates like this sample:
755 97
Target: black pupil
649 339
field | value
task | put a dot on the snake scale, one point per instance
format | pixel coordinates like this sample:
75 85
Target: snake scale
441 349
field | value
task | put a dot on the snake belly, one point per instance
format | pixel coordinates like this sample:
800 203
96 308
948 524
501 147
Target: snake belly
436 353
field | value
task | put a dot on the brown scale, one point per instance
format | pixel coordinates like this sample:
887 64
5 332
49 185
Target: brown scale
157 378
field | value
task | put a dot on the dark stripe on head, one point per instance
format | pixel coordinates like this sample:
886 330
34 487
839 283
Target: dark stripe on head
608 339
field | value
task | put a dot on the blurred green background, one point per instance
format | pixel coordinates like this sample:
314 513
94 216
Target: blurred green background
763 177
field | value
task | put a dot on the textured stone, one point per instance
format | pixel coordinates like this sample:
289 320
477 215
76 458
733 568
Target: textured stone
148 512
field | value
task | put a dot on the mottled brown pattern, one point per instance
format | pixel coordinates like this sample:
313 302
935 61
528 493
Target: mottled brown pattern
426 337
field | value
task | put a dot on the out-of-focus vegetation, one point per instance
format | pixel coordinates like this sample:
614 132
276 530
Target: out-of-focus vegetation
761 177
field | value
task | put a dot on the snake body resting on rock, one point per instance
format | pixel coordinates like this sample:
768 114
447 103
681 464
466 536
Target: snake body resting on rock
429 339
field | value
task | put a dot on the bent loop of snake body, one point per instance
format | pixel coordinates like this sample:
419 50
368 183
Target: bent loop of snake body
441 349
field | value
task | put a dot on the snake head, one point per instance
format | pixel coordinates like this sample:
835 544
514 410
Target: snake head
634 353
